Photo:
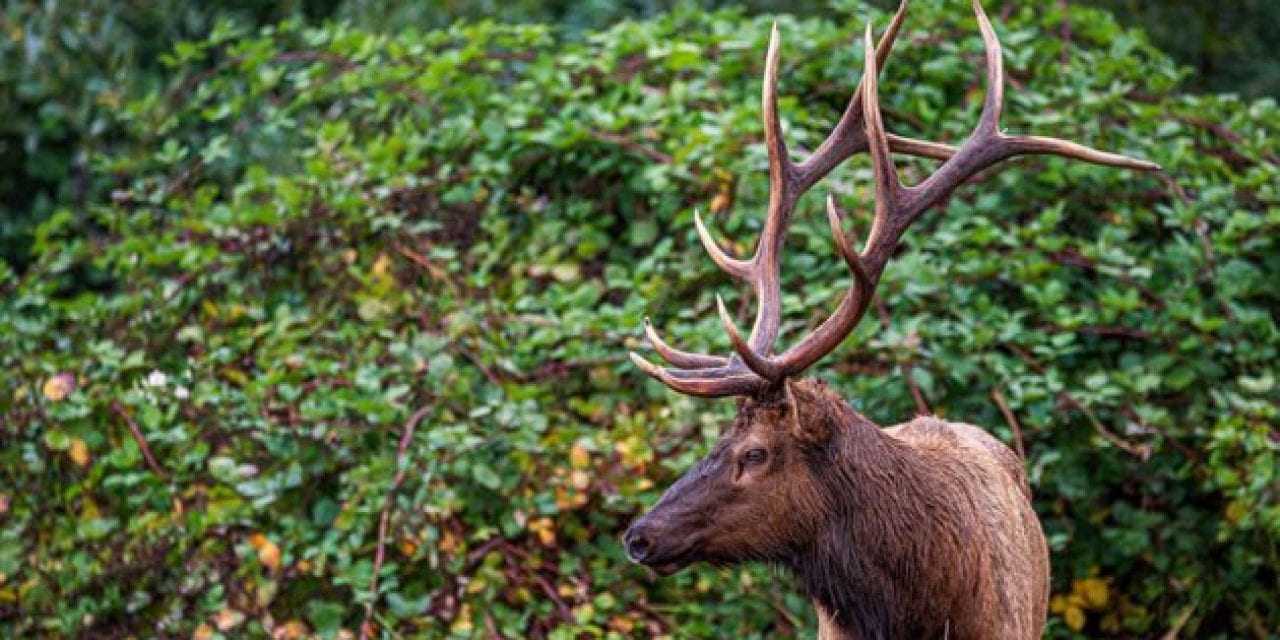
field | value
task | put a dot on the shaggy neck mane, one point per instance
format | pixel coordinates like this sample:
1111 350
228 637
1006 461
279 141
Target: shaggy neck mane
883 528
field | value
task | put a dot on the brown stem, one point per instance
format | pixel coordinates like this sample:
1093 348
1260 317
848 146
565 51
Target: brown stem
384 521
1012 420
632 145
119 410
1141 451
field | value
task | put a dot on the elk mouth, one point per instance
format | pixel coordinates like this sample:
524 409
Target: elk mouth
667 564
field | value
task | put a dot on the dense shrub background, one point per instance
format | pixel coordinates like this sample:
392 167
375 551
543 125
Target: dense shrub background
342 283
67 66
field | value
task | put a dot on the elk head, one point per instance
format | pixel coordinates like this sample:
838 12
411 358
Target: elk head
759 494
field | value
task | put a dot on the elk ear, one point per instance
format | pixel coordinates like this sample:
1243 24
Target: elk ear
808 416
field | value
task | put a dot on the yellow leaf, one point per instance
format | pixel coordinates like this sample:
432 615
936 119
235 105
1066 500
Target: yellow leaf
203 632
1094 591
449 543
462 624
579 457
79 452
88 509
381 271
1236 510
1058 604
59 387
545 530
234 375
291 630
1074 617
622 623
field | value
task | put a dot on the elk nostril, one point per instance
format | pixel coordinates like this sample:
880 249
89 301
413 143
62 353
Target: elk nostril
638 546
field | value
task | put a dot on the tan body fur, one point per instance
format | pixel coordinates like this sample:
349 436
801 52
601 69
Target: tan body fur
1002 553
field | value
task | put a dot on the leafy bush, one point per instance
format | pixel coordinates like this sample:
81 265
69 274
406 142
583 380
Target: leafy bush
65 70
357 308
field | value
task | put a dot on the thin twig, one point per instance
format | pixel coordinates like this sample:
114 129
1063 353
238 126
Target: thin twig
922 406
632 145
119 410
384 521
1222 131
1012 420
1180 622
1142 451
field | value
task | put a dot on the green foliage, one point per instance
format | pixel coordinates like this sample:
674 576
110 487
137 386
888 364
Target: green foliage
330 256
66 68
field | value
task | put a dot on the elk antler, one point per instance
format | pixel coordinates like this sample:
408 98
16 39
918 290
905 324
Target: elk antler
752 368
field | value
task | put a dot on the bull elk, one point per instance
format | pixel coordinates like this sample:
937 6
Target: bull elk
921 530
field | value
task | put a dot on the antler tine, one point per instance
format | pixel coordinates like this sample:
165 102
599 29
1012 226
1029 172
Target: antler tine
993 104
987 145
779 164
757 363
851 257
682 359
1040 145
707 383
740 269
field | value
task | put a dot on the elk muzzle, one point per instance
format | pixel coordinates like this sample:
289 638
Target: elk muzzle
650 541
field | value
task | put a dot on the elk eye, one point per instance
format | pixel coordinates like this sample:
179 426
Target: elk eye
755 456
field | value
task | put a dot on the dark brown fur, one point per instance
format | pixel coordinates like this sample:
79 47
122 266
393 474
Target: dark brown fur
922 530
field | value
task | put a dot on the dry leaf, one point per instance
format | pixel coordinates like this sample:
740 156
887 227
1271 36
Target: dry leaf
407 546
268 552
59 387
227 619
579 457
203 632
291 630
79 452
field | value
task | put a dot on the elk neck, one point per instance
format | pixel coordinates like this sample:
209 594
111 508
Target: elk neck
880 537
